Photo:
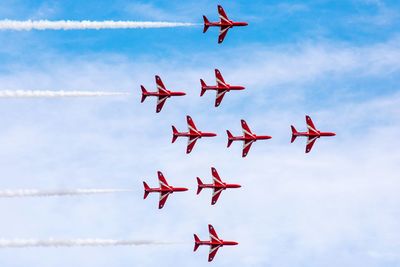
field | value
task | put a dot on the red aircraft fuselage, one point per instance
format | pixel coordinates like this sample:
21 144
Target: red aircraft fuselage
197 134
249 138
229 24
171 189
165 94
314 134
228 87
220 186
220 243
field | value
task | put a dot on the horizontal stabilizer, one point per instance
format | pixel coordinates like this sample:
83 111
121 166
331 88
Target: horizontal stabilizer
174 134
230 138
199 184
146 190
144 94
196 242
294 133
206 24
203 87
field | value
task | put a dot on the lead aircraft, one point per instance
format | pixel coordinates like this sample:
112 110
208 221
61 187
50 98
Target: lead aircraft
222 87
225 24
215 243
165 190
218 186
248 138
162 93
193 134
312 134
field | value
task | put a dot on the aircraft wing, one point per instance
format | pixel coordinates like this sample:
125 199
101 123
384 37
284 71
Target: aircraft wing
217 192
216 178
191 143
222 33
213 233
163 199
310 125
213 252
163 182
160 103
310 142
160 85
191 125
222 15
220 80
246 129
220 96
246 147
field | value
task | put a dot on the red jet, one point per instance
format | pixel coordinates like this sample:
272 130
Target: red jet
193 134
222 87
225 24
162 94
218 186
165 189
313 134
215 243
248 138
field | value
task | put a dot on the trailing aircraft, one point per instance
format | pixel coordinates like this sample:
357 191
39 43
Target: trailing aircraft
165 190
225 24
312 134
222 87
218 186
215 243
248 138
193 134
162 93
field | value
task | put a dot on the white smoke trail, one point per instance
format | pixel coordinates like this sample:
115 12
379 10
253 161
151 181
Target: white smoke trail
26 243
52 193
54 94
28 25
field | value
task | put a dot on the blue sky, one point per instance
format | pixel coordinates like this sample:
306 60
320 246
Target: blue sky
338 61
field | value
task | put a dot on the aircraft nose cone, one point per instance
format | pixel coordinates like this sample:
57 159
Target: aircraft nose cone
236 243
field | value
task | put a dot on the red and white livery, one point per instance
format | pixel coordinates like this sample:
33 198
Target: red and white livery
225 24
215 243
162 94
218 186
221 88
165 190
248 138
193 134
312 134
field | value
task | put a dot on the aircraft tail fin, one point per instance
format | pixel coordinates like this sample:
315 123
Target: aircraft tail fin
196 242
294 134
199 184
230 138
203 87
144 93
146 190
174 134
206 24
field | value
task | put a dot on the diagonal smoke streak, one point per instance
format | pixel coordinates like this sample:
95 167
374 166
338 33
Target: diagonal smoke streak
29 25
26 243
52 193
54 94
